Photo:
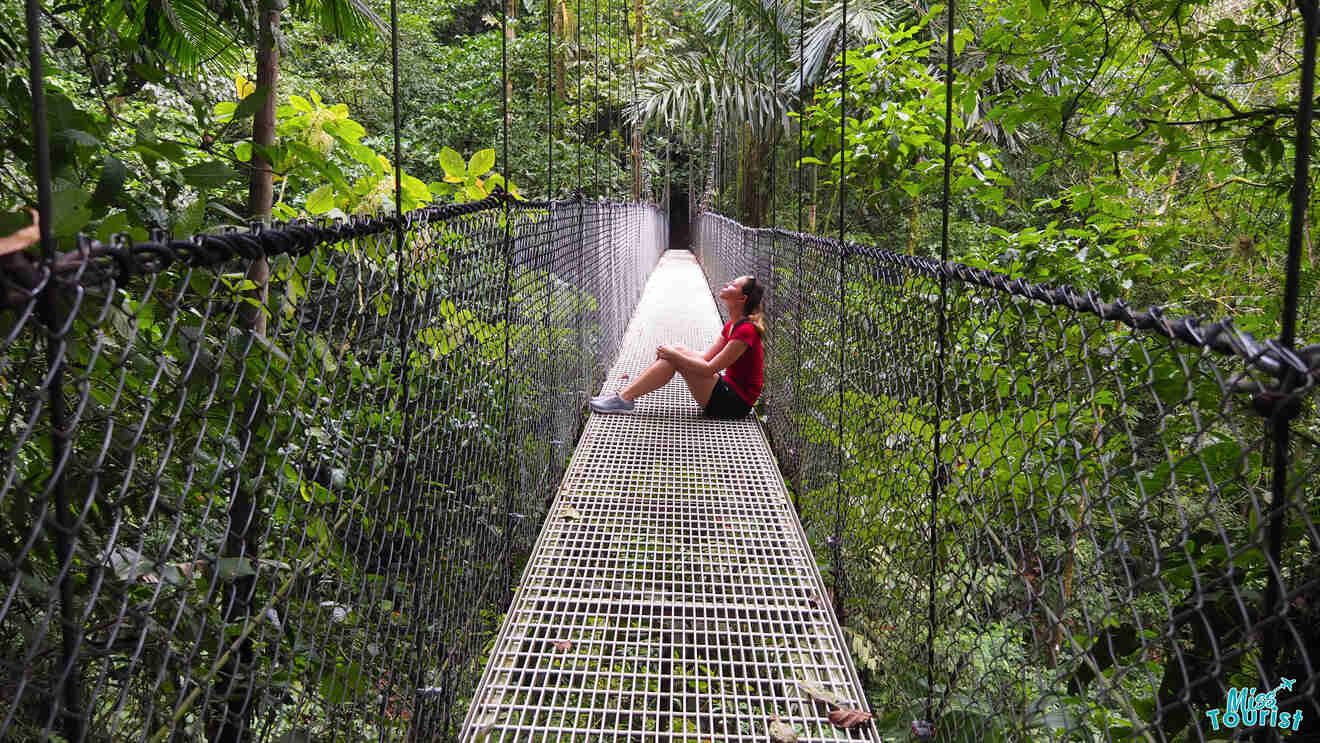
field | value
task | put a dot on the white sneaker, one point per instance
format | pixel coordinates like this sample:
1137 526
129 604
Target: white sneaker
612 404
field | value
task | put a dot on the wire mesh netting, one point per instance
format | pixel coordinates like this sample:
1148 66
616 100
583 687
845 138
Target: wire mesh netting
301 523
1118 537
672 595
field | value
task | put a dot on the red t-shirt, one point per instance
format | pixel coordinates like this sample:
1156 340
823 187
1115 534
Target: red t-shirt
746 374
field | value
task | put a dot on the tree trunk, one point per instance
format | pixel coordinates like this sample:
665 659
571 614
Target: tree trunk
638 9
636 165
914 224
753 198
233 684
510 15
561 31
261 185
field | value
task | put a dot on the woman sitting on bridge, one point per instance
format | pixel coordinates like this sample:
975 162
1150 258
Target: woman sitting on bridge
725 396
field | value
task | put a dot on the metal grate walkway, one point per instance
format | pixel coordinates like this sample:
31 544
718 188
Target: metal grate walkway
672 595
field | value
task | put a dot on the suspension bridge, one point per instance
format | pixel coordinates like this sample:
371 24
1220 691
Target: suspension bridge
672 593
968 506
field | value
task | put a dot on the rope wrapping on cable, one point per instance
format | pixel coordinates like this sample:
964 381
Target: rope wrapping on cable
1220 336
94 262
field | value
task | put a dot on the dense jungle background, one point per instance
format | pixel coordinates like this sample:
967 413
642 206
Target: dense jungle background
1140 148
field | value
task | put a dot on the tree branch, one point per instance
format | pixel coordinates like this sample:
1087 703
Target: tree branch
1191 77
1256 113
1071 108
1236 179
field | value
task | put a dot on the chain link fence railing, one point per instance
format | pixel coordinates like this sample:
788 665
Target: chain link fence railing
214 530
1104 527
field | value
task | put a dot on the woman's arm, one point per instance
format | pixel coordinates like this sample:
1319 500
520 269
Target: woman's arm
715 348
690 362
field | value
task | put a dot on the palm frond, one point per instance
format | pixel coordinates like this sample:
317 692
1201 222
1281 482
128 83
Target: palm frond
216 46
187 32
342 19
866 18
740 22
696 89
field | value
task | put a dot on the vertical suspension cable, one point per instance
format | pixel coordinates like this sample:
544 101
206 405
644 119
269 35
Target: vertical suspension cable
398 148
549 105
633 51
581 209
615 95
404 298
577 56
721 178
798 280
609 97
595 77
554 382
937 474
802 112
1301 175
67 710
1280 419
774 142
504 85
837 540
508 308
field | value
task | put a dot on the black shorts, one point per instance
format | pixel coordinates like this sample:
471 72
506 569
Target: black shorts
725 404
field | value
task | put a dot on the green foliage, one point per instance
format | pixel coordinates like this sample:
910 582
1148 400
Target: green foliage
472 180
1092 478
340 485
894 138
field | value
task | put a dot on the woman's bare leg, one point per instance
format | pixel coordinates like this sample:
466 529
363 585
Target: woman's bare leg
701 385
655 377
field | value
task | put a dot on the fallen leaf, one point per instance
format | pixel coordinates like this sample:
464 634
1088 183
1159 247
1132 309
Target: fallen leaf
846 718
570 512
563 644
781 732
820 693
23 238
923 730
174 573
484 726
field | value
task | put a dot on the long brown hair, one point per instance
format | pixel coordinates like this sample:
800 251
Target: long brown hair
754 291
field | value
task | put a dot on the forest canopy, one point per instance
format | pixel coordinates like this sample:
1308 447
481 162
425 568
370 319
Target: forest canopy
1142 149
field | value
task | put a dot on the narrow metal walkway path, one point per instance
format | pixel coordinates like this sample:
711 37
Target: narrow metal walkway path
672 595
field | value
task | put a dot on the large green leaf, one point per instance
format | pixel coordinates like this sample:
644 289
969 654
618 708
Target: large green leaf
453 163
71 209
249 105
322 200
482 162
111 183
189 219
208 175
346 130
343 684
